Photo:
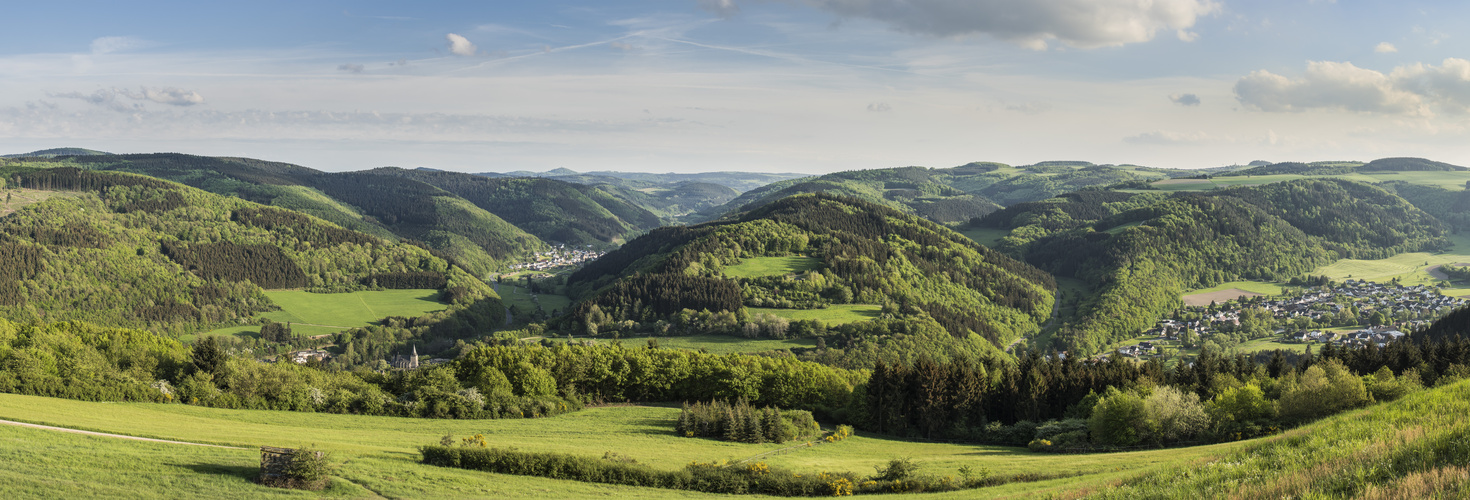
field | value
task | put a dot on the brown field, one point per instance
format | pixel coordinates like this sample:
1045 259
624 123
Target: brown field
1204 299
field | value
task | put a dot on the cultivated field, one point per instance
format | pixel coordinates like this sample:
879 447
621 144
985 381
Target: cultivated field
324 313
755 267
1207 298
836 314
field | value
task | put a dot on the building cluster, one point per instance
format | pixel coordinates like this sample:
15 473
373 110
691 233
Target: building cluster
559 256
1378 335
301 357
1416 301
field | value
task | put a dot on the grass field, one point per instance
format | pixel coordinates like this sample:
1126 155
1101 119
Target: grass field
520 297
1260 287
836 314
323 313
1443 179
985 236
377 455
1410 268
723 344
17 198
755 267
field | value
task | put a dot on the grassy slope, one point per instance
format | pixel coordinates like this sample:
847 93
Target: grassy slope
836 314
1387 448
380 451
520 297
1409 268
323 313
754 267
1249 286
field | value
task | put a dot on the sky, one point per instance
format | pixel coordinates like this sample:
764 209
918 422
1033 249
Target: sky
807 86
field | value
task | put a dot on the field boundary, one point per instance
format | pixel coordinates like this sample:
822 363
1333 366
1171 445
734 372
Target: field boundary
111 435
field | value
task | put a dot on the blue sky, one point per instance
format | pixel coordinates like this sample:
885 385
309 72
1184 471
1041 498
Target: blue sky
762 85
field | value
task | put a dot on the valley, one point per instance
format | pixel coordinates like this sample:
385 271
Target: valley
992 346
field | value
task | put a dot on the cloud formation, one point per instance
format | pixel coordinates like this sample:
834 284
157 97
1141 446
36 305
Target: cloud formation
879 107
725 8
110 44
1185 99
352 68
1415 90
1165 138
460 46
1385 48
1029 23
108 98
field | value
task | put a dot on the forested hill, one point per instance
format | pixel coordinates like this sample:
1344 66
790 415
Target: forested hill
1139 252
859 252
128 250
552 210
387 206
948 195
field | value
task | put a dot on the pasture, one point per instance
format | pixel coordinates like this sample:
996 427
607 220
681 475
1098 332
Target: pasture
724 344
985 236
1411 268
324 313
833 315
521 297
377 455
755 267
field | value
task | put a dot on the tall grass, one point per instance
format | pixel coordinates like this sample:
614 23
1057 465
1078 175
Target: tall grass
1418 443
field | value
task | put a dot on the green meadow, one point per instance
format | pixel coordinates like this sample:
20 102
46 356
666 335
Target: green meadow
984 235
1260 287
325 313
833 315
377 455
519 296
755 267
1409 268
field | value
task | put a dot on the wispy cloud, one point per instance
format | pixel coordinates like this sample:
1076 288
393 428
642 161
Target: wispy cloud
1185 99
110 44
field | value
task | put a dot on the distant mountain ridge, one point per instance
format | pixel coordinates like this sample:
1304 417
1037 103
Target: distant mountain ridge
739 181
54 152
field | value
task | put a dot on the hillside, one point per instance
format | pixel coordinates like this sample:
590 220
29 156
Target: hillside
128 250
843 251
554 211
739 181
947 195
54 152
386 207
1138 252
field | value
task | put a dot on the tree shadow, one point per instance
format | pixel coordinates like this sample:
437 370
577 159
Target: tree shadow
246 472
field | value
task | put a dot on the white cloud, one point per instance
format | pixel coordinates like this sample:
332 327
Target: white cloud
460 46
1385 48
879 107
1414 90
1447 86
169 95
1328 85
1185 99
110 44
1165 138
1029 23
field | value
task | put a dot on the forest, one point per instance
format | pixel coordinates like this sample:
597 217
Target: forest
1139 252
134 251
869 254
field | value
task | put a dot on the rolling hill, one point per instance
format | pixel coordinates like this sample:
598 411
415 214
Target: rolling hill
1138 251
128 250
851 251
948 195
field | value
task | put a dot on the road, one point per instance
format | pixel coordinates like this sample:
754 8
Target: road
104 434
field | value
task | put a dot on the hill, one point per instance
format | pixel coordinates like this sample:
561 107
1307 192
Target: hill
385 206
739 181
1138 252
554 211
948 195
844 251
129 250
54 152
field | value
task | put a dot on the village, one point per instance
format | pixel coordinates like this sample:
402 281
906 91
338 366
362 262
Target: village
1385 313
558 256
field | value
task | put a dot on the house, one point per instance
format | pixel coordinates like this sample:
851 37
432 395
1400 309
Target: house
301 357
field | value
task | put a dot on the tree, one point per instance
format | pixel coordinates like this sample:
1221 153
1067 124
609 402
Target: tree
1174 414
207 356
1118 418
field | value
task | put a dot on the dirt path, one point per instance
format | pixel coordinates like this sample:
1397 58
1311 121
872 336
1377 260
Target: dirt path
104 434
